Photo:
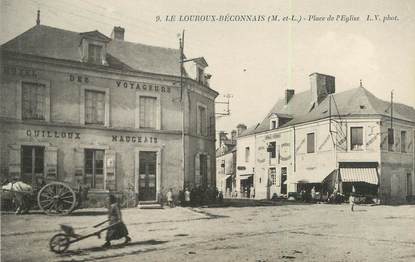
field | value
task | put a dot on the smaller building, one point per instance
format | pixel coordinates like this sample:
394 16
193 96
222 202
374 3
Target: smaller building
322 141
226 163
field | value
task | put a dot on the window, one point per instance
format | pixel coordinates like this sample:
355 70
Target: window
356 138
273 176
94 107
273 124
391 139
247 154
272 149
148 112
33 101
310 143
94 54
201 121
32 163
403 141
94 168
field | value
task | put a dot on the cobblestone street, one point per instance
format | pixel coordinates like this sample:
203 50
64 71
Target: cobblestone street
267 233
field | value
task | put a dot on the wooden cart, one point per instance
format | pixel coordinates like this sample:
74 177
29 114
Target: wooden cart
57 198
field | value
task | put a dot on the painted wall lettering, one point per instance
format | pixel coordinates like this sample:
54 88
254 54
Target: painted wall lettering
324 142
53 134
373 139
142 86
273 136
19 71
285 152
78 78
134 139
300 145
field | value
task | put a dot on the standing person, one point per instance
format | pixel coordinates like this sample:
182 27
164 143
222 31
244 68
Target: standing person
351 201
119 230
186 197
170 198
313 193
253 191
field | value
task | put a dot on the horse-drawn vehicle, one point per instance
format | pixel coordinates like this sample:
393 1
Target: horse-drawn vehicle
54 198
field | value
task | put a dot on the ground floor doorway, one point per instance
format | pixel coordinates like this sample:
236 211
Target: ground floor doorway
147 190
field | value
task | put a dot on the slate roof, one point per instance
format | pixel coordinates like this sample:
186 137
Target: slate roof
56 43
354 102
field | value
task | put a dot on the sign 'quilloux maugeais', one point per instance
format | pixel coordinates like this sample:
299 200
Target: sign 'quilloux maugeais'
76 135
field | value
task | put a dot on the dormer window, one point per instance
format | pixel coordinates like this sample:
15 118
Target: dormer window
273 122
197 70
94 54
94 47
200 75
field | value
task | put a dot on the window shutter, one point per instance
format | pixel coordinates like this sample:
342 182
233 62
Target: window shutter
79 165
110 161
14 161
100 117
51 163
136 170
209 175
197 169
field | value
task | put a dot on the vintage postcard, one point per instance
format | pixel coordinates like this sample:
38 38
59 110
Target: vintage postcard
207 130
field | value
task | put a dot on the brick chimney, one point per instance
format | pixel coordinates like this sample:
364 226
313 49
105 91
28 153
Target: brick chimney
289 93
321 86
233 135
241 128
118 33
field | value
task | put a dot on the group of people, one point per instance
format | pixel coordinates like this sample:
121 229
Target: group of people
313 195
194 196
246 192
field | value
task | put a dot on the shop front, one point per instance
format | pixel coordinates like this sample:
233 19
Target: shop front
128 164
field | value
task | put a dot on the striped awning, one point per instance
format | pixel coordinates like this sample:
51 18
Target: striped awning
368 175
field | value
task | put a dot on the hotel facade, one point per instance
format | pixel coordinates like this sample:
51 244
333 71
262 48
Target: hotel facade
104 113
342 141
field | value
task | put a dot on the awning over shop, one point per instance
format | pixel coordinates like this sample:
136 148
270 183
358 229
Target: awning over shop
311 177
227 177
245 176
360 174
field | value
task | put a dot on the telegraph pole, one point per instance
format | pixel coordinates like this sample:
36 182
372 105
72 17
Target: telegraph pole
391 108
182 104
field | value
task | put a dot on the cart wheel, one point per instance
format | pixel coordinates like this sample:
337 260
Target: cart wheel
56 198
59 243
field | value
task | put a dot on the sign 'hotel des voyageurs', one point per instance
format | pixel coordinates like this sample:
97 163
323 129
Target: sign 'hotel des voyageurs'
103 112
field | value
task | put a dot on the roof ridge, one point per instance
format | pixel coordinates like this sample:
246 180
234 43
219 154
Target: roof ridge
137 43
19 35
369 99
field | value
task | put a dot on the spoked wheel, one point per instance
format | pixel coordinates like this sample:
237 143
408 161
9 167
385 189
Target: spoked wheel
59 243
56 198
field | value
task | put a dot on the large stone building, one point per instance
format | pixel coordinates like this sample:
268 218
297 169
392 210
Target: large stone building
105 113
327 140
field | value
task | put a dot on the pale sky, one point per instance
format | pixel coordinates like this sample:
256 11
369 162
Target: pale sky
254 61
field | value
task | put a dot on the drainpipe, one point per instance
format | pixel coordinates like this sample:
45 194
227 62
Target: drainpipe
294 156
